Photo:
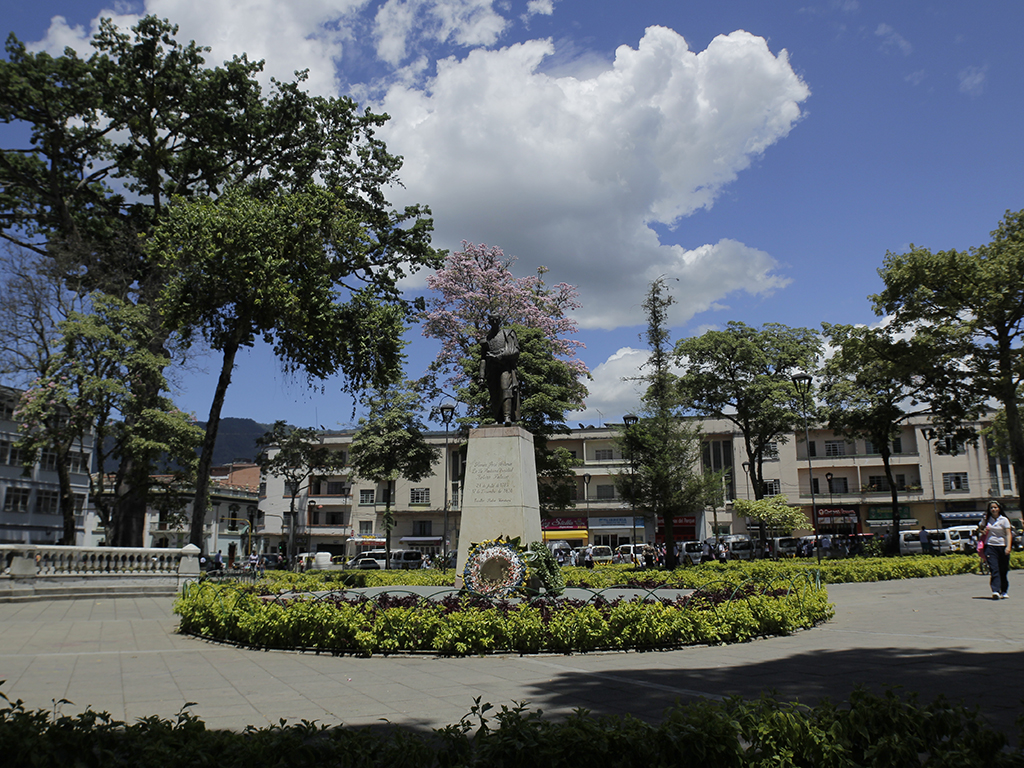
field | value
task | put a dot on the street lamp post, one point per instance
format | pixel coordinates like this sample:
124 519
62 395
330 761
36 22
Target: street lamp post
630 420
586 494
447 413
802 382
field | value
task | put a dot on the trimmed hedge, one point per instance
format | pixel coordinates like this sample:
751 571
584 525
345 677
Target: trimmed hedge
877 731
460 625
840 571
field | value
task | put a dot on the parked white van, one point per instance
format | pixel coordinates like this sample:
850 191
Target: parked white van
964 537
320 561
941 540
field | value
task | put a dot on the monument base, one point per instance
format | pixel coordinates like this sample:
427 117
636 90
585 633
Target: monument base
500 492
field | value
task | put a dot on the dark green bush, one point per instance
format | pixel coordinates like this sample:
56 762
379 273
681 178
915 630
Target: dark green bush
874 731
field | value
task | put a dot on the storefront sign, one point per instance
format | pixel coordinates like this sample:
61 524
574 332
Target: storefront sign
837 515
563 523
885 513
616 522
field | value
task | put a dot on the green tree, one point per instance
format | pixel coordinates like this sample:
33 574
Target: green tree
872 385
663 446
390 443
88 388
298 455
299 270
970 306
743 375
115 137
774 513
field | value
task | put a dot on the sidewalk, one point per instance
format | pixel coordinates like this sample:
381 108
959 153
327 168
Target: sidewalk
931 636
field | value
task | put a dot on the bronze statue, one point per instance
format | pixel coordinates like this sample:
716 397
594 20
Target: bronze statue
500 353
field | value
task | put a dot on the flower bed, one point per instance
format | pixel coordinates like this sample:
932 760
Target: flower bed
460 625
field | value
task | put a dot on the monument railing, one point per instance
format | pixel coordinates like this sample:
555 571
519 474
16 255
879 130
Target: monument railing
31 560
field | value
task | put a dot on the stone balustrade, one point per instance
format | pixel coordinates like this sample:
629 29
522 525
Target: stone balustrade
48 570
27 560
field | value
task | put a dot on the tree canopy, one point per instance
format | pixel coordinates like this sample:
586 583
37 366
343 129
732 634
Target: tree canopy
970 305
743 375
143 161
390 443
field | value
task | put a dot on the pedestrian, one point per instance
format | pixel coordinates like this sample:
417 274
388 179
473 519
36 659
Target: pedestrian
588 557
218 561
998 541
926 543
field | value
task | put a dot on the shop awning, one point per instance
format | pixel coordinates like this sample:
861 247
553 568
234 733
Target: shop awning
368 542
977 515
421 539
569 534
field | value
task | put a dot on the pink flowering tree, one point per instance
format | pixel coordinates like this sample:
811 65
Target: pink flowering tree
477 283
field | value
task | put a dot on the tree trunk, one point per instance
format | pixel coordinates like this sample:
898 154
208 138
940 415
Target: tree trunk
201 503
67 500
884 451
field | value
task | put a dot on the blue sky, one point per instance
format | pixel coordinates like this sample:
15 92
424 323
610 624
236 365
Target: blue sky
766 154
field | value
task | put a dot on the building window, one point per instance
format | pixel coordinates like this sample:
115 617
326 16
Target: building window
838 485
421 528
313 512
835 448
772 487
897 447
78 462
48 461
366 496
604 454
954 481
9 454
878 483
6 410
605 491
335 518
337 488
771 451
366 527
16 500
812 449
419 496
47 502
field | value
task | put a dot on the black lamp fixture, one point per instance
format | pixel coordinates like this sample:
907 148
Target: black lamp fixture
802 383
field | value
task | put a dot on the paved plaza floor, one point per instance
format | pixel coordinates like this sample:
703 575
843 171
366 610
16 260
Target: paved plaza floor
122 655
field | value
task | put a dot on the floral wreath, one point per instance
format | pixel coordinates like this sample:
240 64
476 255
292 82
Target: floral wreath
495 568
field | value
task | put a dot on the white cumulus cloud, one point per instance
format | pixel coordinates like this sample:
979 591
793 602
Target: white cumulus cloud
572 171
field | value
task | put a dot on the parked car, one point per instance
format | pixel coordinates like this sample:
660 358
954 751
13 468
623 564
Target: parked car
784 546
629 553
315 561
963 538
741 547
941 541
272 561
379 556
691 551
406 559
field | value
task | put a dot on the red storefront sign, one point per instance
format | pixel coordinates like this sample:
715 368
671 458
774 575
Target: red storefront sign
564 524
684 528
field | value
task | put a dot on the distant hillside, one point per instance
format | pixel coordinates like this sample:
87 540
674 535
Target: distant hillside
236 440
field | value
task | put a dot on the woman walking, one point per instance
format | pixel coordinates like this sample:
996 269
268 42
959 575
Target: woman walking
998 537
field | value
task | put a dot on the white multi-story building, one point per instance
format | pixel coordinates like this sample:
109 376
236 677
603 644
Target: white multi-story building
343 514
30 497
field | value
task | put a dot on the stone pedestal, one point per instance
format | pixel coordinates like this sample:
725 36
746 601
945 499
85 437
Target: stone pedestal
500 494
